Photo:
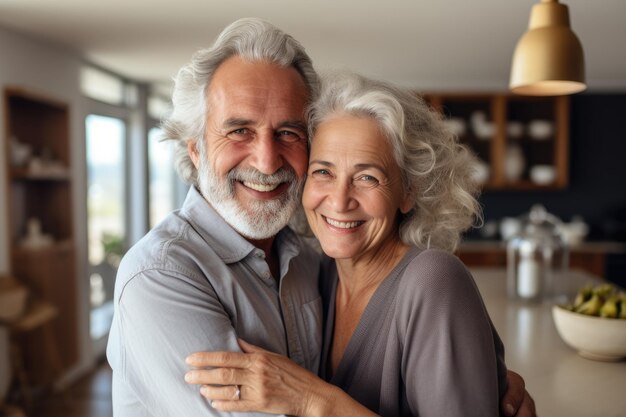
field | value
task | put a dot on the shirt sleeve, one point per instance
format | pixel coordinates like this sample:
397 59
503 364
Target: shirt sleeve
450 364
160 319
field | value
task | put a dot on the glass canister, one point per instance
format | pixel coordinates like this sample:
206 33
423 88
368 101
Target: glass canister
536 257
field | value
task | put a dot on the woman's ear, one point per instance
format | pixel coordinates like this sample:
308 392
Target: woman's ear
408 201
192 150
407 205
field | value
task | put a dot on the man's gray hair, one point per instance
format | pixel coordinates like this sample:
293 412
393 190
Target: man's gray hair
436 169
249 38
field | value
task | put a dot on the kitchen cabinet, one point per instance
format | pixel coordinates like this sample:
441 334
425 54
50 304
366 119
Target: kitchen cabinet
40 224
522 142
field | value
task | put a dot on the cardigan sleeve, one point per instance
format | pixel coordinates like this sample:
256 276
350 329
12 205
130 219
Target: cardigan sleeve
455 371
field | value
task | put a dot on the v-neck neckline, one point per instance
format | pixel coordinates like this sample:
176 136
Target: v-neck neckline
376 309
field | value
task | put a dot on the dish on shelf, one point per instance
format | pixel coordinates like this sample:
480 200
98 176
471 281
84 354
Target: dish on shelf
514 130
34 238
483 129
540 129
542 174
20 152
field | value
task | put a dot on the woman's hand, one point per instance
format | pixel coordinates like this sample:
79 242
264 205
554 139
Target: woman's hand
267 382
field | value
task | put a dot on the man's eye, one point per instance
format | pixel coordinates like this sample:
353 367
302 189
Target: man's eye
241 134
240 131
289 136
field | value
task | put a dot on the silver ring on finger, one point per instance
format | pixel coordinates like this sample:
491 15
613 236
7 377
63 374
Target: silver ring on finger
237 395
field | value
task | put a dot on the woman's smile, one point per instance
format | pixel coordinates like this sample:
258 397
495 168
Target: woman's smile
343 224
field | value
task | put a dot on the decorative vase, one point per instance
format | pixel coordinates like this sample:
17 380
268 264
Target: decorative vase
514 163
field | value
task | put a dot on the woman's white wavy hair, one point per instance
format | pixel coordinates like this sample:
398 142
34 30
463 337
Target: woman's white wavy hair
437 170
251 39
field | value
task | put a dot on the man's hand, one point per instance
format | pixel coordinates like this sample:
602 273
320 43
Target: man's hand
517 401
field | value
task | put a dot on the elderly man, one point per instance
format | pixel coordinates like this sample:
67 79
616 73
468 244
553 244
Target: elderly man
224 265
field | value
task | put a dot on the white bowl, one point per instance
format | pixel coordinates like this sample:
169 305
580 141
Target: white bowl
542 174
596 338
541 129
485 131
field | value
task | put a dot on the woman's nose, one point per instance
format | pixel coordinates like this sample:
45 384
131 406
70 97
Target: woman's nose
341 197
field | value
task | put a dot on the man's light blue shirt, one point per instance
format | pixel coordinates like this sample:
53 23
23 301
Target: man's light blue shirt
194 284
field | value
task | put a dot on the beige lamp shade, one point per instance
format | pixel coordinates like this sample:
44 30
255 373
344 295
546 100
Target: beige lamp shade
548 59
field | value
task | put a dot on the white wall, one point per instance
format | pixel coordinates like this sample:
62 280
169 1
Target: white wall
54 72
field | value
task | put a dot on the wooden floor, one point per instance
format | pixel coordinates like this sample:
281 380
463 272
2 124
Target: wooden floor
89 397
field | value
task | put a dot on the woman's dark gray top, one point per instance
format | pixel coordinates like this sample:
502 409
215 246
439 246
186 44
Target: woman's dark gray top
424 346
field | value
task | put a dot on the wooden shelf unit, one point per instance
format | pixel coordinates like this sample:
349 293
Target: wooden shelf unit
501 110
49 272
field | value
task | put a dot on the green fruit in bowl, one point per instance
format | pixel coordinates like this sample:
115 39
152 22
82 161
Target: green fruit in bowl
603 300
610 307
591 307
583 295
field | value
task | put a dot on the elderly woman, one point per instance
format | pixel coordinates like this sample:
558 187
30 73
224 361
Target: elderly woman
388 193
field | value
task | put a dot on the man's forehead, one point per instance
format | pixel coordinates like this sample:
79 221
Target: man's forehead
236 76
256 92
236 109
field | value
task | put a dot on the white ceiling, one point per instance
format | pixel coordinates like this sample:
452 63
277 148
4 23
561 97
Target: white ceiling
434 44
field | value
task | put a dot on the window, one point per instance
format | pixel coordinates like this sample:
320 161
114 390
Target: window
106 213
163 180
106 87
131 180
166 191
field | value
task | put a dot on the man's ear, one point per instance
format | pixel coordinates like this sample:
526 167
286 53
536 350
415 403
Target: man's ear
192 150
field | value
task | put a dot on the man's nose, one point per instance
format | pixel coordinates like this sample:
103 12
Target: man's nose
266 157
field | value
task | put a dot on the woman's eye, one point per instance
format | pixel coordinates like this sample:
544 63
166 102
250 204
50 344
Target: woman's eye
320 172
367 180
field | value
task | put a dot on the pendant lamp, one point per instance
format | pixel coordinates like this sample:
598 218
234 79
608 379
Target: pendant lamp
548 59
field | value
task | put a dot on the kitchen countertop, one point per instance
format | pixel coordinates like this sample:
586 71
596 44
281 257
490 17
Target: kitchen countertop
561 382
587 246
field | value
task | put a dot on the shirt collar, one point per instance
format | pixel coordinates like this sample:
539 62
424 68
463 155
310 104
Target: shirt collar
229 245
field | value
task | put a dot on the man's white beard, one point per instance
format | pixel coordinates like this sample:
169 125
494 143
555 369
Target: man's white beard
259 219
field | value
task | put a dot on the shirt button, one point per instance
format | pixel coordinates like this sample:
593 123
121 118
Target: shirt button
267 275
260 255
